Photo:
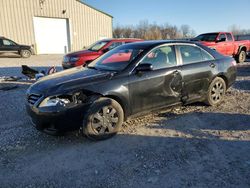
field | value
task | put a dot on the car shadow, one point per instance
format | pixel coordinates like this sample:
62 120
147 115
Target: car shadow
10 55
204 124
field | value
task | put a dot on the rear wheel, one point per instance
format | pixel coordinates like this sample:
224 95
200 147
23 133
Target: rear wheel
241 58
103 120
25 53
216 92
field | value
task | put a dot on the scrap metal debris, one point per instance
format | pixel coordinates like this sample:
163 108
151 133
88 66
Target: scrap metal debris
29 72
12 82
10 78
35 74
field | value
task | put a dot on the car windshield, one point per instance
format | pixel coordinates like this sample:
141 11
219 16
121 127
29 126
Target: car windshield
97 46
210 37
117 59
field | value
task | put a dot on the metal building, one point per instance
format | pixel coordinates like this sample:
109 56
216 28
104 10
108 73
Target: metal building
53 26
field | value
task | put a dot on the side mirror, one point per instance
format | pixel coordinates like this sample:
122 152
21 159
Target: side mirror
221 40
144 67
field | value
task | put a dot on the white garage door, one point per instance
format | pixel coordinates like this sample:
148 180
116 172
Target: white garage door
51 35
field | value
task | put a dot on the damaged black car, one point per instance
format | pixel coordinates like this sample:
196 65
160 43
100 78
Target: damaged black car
129 81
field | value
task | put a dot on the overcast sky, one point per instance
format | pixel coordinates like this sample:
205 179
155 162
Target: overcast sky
202 16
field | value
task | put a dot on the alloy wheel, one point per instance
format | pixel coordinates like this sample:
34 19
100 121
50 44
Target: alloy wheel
217 91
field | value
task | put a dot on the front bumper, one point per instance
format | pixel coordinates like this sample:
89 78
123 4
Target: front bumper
60 119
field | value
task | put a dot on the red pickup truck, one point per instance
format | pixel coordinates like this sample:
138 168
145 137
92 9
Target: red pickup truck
225 43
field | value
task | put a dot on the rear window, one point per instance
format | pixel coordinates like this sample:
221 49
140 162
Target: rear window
193 54
210 37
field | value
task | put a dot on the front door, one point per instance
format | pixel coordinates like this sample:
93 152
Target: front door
159 87
222 43
10 46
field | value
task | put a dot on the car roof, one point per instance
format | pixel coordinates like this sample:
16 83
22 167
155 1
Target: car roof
152 43
122 39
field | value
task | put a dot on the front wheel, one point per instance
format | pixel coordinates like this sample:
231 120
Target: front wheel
241 58
103 120
25 53
216 92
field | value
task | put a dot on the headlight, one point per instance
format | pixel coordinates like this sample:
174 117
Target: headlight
74 59
48 102
64 100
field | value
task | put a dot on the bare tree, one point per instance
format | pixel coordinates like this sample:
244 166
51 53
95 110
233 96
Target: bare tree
236 30
147 31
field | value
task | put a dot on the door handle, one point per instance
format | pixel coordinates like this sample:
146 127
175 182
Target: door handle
212 65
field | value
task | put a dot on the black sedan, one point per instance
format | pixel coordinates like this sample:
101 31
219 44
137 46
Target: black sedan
126 82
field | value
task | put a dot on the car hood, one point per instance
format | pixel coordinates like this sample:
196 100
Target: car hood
81 52
69 80
25 46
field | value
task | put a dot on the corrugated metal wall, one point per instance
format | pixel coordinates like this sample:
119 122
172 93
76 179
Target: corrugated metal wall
86 24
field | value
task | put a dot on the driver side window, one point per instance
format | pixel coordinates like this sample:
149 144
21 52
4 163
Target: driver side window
161 57
222 37
7 42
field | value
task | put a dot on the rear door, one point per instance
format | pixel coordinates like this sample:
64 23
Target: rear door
197 67
159 87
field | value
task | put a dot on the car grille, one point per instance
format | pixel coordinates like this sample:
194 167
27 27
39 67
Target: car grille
33 98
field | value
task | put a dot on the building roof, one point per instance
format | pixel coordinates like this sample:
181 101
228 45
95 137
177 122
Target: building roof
81 1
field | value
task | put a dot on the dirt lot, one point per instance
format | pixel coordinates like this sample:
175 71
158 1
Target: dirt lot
191 146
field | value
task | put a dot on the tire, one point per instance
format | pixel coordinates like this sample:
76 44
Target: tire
103 120
216 92
25 53
241 58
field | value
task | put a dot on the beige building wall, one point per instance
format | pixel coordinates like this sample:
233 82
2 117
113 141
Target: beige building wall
86 24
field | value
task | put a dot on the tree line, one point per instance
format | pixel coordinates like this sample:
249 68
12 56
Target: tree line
153 31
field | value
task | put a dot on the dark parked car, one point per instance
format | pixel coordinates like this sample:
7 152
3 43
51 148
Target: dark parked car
128 81
7 45
94 51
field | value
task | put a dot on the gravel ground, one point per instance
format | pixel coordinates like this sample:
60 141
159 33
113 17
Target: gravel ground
190 146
